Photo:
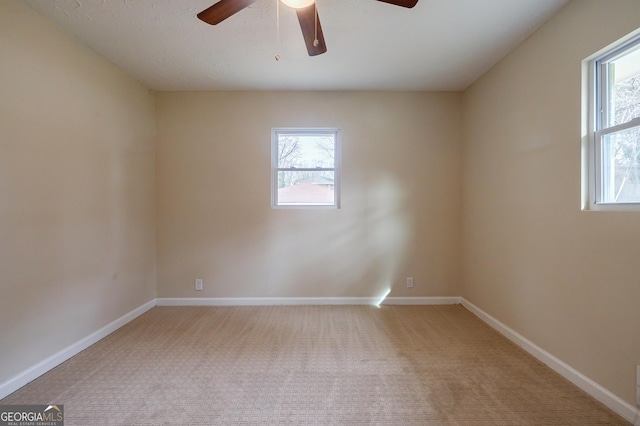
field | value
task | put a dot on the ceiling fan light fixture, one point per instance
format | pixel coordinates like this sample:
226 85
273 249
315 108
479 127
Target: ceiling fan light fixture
298 4
307 17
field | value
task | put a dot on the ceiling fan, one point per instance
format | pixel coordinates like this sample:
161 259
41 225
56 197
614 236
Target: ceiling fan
305 9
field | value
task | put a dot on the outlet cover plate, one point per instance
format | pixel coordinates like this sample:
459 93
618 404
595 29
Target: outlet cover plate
638 385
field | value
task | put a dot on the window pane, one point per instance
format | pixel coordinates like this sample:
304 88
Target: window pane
316 188
306 151
624 89
621 166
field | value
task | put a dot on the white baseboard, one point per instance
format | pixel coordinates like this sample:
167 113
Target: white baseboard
603 395
421 301
42 367
274 301
262 301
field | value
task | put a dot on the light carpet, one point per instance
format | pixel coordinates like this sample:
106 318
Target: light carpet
344 365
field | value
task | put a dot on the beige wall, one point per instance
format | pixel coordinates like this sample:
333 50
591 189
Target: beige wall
566 279
76 191
400 196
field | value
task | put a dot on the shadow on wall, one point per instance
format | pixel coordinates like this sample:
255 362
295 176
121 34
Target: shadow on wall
354 251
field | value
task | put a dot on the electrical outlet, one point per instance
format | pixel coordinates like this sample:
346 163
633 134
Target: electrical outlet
409 282
637 384
199 284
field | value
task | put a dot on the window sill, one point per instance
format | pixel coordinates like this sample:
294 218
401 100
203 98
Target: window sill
613 207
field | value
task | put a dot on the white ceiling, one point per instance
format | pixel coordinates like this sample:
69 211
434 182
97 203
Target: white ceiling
437 45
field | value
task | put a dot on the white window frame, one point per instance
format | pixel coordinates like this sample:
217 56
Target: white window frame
275 132
597 93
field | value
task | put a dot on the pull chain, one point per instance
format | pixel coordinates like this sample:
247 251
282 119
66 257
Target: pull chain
315 17
277 30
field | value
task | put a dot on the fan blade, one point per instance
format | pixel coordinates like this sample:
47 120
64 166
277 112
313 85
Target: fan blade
222 10
307 18
403 3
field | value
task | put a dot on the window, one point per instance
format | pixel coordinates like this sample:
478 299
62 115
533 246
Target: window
615 127
305 168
